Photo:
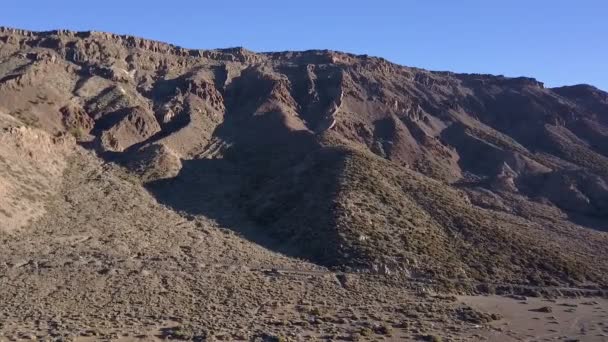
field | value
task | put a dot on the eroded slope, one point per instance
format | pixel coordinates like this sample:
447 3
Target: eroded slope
347 161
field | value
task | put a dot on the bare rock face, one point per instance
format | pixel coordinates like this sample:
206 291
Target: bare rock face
451 175
75 118
128 127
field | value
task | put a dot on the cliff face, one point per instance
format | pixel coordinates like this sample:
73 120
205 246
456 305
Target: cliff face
348 161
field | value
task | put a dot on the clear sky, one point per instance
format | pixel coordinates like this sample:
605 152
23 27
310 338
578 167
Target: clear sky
558 42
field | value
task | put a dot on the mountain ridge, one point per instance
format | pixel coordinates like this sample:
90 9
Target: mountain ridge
183 51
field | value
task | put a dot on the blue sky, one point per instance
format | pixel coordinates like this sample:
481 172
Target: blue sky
556 41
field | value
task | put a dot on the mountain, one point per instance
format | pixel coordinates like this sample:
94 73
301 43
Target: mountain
346 161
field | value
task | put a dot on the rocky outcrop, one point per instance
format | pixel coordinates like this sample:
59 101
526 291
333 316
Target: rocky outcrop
126 128
154 162
76 119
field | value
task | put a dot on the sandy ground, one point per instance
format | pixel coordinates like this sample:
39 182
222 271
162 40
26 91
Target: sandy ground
537 319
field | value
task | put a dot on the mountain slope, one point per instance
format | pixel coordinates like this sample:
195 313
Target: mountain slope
348 161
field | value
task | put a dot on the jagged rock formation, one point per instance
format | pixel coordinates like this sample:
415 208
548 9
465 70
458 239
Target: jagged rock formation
348 161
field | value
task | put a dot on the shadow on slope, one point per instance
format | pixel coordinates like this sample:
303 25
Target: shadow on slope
339 207
274 186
